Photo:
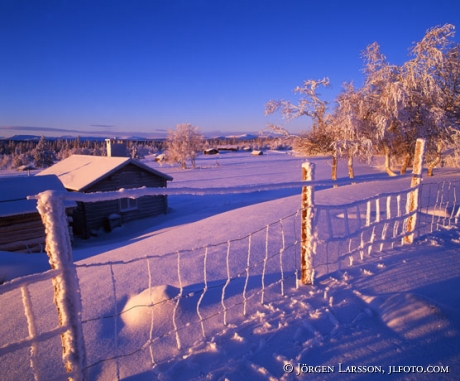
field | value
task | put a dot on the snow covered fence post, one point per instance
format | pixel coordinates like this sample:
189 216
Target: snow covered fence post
412 197
66 287
308 244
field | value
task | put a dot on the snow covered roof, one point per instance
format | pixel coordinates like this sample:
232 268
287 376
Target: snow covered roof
14 192
78 172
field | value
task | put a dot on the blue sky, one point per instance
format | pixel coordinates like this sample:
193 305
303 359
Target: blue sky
111 68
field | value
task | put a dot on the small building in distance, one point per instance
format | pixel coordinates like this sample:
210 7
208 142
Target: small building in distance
21 227
211 151
87 174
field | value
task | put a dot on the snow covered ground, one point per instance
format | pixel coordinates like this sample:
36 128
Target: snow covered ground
397 311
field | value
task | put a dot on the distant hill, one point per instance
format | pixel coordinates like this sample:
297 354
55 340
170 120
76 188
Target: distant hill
22 137
124 137
237 137
82 138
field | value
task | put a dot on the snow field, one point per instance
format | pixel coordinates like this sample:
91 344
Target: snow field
133 320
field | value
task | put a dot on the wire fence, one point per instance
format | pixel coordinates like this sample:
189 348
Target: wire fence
439 206
38 354
198 293
348 233
188 296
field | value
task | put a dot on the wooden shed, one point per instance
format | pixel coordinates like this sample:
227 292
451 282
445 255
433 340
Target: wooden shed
87 174
21 227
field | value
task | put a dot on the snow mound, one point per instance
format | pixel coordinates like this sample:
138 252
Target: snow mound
137 313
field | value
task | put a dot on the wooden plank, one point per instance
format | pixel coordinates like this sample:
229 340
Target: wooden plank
25 235
31 245
20 219
22 227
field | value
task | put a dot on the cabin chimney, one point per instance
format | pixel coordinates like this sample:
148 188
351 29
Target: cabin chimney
116 148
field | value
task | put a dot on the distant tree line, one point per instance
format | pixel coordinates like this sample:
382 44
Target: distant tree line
45 152
182 145
396 105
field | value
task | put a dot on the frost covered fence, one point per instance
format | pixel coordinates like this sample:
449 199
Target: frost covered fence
308 242
335 236
66 285
439 206
185 297
196 293
349 232
38 335
412 201
66 295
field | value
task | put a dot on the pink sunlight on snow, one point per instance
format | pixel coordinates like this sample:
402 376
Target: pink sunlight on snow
233 259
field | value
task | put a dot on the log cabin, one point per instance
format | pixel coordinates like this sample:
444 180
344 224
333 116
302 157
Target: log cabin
21 227
87 174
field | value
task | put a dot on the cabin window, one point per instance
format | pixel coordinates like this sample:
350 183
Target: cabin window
127 204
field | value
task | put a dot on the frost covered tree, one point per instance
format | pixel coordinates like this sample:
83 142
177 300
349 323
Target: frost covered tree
349 128
450 79
310 104
320 137
43 156
339 134
416 99
382 102
184 143
427 103
395 106
399 104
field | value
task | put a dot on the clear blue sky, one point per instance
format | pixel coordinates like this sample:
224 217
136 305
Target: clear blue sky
140 67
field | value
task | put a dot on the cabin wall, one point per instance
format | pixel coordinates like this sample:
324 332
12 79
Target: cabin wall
24 233
90 217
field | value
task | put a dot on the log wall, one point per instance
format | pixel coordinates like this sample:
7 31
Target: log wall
23 233
90 217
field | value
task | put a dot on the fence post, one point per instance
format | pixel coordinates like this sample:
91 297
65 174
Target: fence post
412 197
66 287
308 244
